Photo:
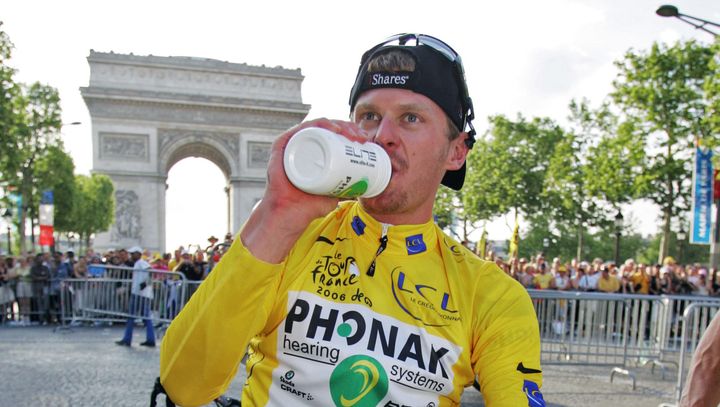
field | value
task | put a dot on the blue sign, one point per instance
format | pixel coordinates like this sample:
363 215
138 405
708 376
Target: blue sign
47 197
702 198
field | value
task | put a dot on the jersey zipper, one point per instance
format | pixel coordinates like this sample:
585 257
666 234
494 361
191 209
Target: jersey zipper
381 248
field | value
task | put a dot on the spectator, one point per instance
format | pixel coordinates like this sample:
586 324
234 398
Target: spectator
587 278
80 270
542 280
24 292
640 280
525 275
7 296
200 264
607 283
40 274
158 263
702 287
175 261
562 280
141 295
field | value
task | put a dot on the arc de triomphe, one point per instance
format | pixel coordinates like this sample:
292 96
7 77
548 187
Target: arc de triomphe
150 112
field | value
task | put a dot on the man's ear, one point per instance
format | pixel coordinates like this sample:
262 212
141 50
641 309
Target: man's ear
458 152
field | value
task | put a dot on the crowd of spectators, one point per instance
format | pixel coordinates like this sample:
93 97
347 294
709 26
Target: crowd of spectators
630 277
30 285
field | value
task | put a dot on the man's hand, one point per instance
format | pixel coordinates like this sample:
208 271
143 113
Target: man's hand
285 211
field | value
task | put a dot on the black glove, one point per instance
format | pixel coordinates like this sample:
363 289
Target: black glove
143 285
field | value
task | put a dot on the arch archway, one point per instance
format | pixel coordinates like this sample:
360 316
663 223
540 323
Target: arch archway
150 112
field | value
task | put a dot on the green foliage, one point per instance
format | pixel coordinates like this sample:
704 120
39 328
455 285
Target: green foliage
55 171
508 167
563 243
9 91
712 93
94 208
661 94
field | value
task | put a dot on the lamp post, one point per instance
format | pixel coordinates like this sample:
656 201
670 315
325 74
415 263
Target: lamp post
699 23
8 218
546 245
618 232
681 244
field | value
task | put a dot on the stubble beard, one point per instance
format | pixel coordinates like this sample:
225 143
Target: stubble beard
393 199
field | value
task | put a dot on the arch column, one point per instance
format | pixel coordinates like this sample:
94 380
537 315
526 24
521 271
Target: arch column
244 194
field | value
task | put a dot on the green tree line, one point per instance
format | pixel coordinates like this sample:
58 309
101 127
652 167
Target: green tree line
569 182
34 159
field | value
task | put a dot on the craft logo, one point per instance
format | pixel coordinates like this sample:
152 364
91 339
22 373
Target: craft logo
358 381
423 302
287 385
415 244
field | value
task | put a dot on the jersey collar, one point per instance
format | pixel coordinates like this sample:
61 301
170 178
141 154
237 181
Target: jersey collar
407 240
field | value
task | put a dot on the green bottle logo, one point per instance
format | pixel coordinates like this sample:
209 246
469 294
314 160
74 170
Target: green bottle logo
358 381
355 189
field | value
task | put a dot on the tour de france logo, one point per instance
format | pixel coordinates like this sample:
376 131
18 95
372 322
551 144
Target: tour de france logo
358 381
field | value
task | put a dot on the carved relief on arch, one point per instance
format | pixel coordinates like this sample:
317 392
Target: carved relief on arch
128 220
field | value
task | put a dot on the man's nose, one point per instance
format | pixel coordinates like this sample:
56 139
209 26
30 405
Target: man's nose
385 133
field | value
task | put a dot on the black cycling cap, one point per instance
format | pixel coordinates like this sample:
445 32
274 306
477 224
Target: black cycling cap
438 75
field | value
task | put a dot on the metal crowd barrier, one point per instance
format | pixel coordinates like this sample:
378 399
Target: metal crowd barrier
105 299
622 331
696 317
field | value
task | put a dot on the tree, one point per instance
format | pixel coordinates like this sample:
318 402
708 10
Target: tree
661 93
450 213
508 167
55 171
94 208
35 132
9 91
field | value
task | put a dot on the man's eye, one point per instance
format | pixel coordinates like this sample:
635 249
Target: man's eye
369 116
412 118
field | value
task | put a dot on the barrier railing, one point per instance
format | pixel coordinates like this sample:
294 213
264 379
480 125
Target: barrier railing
622 331
696 317
588 328
106 298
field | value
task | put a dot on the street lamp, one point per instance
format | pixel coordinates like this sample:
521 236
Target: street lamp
618 232
8 218
672 11
546 245
681 244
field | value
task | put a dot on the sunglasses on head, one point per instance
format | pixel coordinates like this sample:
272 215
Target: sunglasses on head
449 53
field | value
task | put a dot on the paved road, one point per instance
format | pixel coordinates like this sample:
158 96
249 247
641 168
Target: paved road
83 367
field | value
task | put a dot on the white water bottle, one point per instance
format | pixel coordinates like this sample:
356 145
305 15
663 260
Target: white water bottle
321 162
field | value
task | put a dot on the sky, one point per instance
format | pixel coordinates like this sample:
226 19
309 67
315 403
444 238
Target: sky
520 56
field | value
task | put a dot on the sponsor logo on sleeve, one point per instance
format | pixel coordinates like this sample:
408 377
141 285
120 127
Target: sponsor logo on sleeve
531 390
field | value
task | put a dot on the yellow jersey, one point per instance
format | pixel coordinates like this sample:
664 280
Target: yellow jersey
326 328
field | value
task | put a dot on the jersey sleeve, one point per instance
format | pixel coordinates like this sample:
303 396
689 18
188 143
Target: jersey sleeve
506 351
205 343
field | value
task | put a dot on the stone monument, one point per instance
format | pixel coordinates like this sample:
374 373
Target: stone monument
149 112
